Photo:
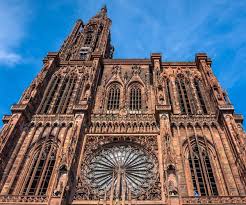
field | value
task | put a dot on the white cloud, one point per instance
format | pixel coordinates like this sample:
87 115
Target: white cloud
183 28
13 20
179 29
9 58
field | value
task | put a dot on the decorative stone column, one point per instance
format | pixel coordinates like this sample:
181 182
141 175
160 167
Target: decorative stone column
64 181
174 95
171 187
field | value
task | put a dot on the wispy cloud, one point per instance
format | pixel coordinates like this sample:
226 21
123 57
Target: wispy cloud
13 20
8 58
179 29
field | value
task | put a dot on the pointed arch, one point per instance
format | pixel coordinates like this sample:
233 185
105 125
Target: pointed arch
135 97
52 88
40 169
64 94
88 39
199 154
135 80
184 101
168 91
197 84
58 94
141 127
113 97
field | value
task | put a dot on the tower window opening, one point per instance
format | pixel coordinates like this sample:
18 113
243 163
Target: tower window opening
88 39
200 97
59 98
202 175
135 98
50 95
69 97
40 171
180 97
84 51
113 98
184 102
168 93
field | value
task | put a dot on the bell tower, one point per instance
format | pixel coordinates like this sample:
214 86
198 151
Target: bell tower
88 38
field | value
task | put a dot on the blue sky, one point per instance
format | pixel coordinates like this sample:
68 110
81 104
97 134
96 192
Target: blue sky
176 28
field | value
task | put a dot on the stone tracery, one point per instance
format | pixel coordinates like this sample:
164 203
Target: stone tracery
71 92
125 162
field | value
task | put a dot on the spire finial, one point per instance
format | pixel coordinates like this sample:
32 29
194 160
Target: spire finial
104 8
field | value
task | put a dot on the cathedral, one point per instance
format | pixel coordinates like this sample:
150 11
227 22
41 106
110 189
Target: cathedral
91 129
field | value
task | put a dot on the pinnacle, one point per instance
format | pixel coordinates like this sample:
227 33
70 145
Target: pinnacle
104 8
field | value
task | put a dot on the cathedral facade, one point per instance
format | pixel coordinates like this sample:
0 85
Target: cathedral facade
91 129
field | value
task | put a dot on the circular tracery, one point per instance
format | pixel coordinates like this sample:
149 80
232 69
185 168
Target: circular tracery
120 170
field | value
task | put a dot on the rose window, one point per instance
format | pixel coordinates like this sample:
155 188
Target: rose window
121 171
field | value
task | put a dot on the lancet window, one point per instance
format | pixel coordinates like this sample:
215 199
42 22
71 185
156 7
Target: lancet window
201 169
58 95
197 84
50 92
80 89
168 93
88 39
135 98
113 98
65 95
40 170
184 102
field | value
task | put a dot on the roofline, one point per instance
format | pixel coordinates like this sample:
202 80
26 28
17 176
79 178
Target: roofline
144 62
